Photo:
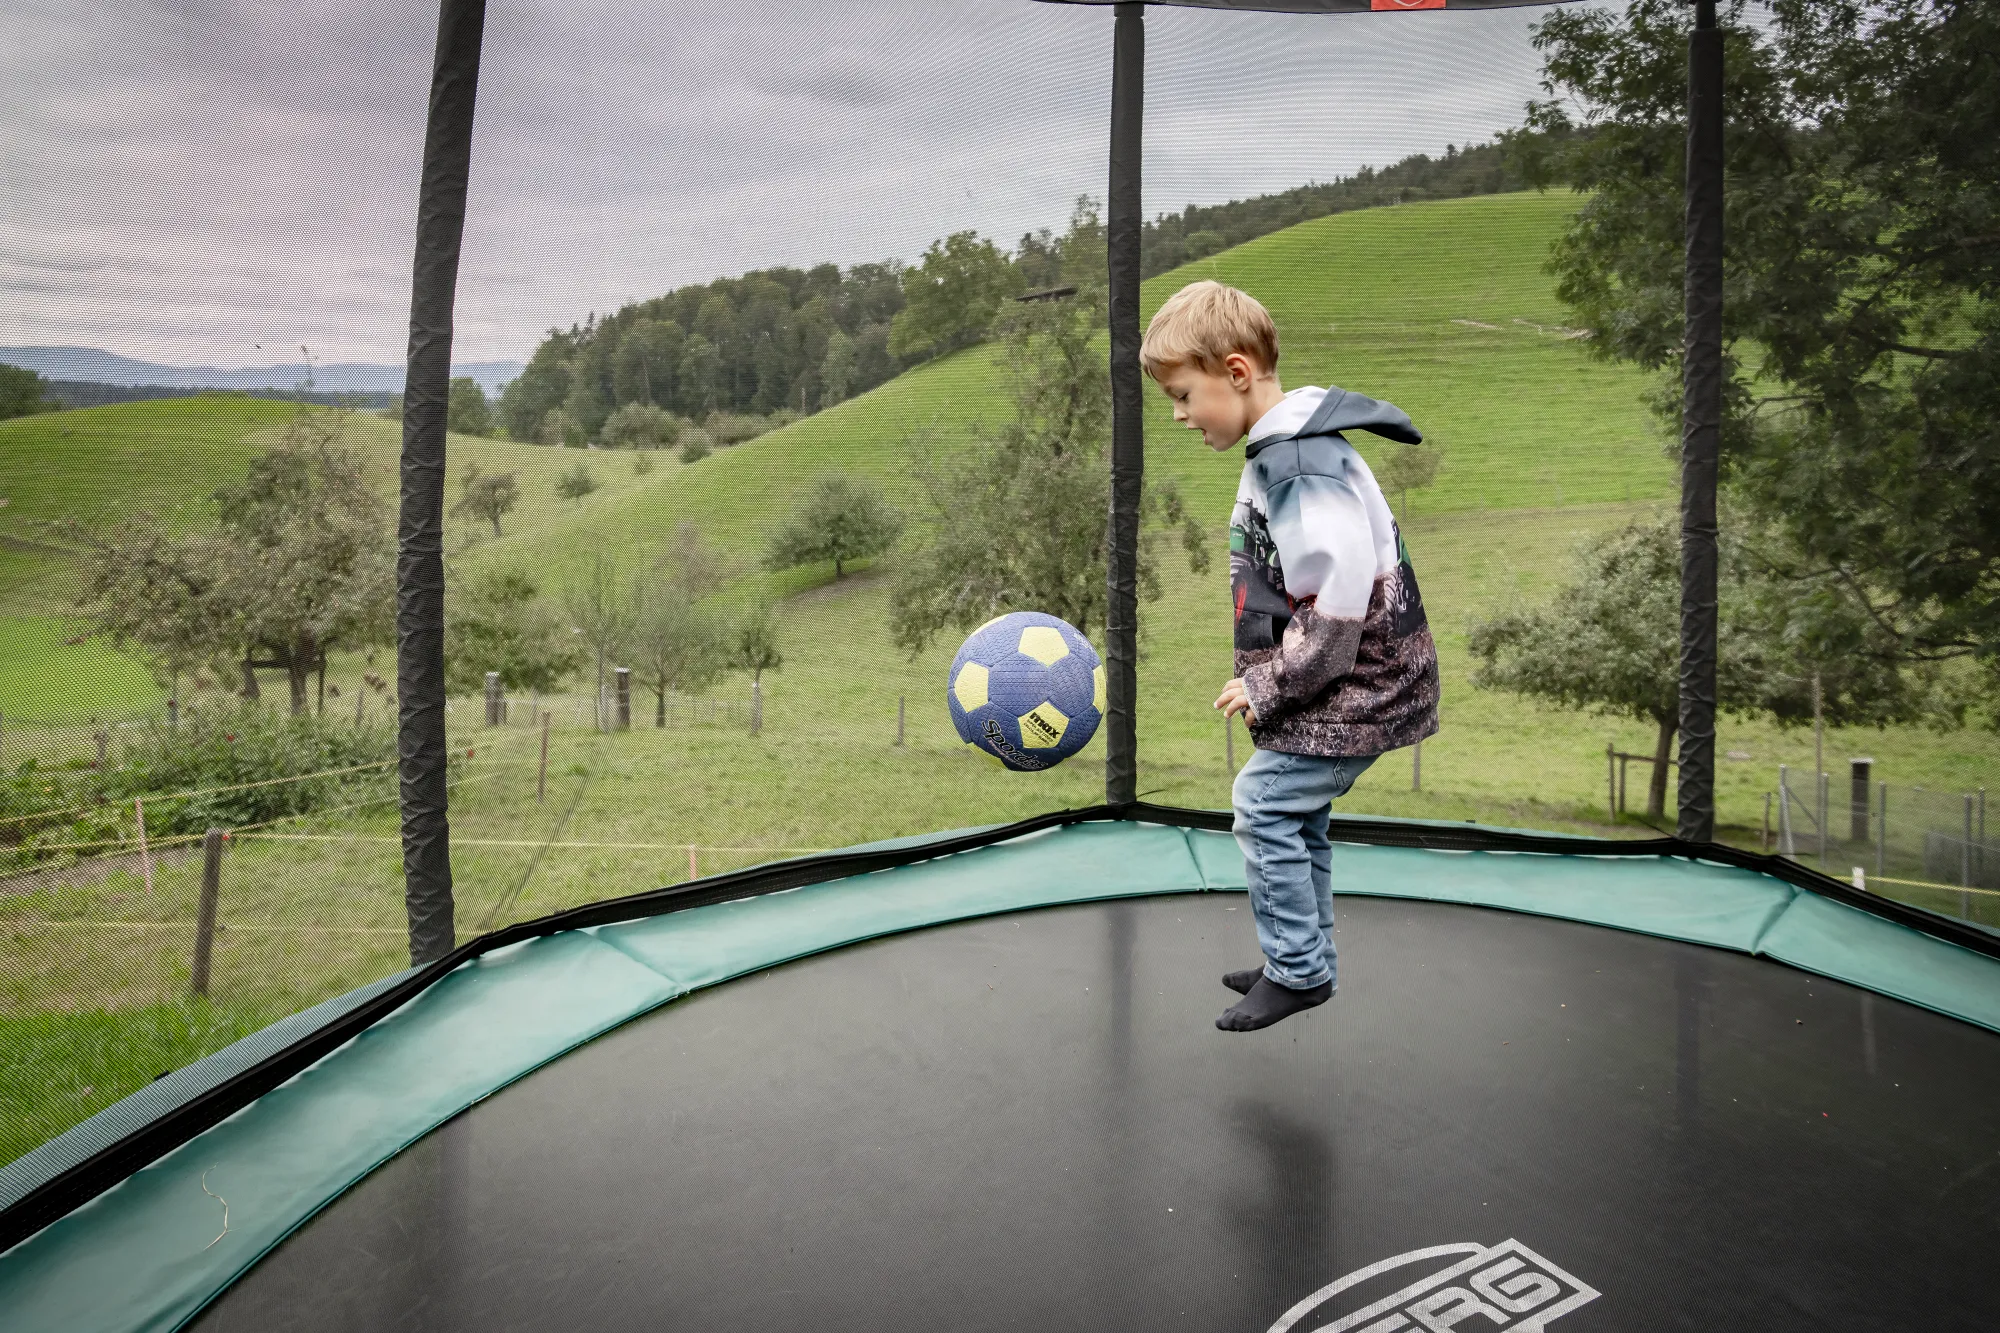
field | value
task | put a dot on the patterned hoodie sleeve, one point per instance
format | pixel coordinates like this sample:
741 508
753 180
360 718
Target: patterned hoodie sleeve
1320 526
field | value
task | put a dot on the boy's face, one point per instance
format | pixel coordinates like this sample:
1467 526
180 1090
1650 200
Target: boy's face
1219 406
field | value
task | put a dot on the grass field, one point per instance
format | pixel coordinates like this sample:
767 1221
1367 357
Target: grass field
1441 307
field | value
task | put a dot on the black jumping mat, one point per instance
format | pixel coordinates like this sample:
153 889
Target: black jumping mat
1030 1122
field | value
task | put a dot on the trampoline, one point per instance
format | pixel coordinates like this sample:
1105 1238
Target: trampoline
970 1081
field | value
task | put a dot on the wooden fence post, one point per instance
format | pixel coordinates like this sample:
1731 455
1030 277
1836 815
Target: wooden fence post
1610 781
542 772
900 700
145 856
1882 830
1417 766
204 929
1821 797
103 739
1858 773
496 700
1229 743
624 697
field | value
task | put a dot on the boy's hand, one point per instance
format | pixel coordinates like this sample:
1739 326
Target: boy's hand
1235 700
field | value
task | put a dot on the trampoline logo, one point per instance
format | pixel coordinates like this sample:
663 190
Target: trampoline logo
1508 1285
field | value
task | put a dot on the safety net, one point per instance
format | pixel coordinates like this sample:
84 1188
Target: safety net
779 367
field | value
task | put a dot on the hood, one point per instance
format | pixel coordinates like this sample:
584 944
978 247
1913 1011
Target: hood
1338 410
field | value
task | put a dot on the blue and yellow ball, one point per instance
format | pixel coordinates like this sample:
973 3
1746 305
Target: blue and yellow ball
1027 689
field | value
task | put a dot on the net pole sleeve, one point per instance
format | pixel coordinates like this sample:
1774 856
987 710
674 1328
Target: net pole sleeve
420 695
1128 443
1701 423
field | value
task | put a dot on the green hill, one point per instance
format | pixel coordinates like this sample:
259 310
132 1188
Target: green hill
1441 307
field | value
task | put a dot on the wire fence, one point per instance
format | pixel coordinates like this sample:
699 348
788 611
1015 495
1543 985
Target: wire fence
148 916
1926 847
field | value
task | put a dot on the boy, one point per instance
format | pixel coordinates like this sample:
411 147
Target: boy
1334 659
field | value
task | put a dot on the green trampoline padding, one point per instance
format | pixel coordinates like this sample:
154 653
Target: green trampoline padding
149 1253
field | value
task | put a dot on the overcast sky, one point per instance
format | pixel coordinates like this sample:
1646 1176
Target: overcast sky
184 182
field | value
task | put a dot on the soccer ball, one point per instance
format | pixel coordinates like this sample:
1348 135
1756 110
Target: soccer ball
1027 689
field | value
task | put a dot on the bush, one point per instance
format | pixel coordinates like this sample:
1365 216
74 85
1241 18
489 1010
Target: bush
559 430
239 746
731 428
695 444
642 462
576 483
639 426
243 744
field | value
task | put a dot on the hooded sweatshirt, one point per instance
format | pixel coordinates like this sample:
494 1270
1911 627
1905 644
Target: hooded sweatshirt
1331 640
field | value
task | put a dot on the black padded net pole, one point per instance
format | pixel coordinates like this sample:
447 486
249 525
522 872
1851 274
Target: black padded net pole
1128 431
420 743
1701 423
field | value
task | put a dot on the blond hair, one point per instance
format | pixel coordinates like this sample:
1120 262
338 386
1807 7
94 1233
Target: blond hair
1203 323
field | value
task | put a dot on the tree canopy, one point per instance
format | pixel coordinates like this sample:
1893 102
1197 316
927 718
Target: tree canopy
1608 641
466 409
844 519
24 393
1861 271
488 495
1017 520
498 622
301 563
951 296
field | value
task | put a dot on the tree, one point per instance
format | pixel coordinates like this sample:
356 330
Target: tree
756 651
466 410
1862 338
950 299
540 387
1608 641
1017 520
600 609
836 371
1411 467
498 622
676 643
154 595
648 362
306 560
700 374
844 519
576 483
24 393
756 647
487 495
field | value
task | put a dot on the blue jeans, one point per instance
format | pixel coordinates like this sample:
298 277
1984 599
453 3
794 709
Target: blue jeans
1283 802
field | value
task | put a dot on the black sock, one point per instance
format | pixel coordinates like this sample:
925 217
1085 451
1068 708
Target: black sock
1268 1003
1241 982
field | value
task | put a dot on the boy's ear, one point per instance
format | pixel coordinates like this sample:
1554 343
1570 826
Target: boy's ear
1242 371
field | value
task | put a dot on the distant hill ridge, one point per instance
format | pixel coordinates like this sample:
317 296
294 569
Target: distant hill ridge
96 366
